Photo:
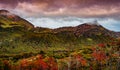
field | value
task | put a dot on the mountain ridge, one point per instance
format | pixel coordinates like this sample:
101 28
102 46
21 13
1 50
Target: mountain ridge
8 19
23 35
88 28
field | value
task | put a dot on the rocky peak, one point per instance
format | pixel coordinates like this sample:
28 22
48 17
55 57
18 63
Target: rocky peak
11 20
89 29
4 11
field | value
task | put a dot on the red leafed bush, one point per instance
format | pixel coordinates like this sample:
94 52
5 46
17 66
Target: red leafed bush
101 45
93 48
52 63
81 60
6 65
40 65
113 43
99 55
24 63
78 56
39 56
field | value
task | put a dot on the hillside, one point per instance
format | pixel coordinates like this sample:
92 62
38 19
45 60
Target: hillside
17 35
89 29
8 19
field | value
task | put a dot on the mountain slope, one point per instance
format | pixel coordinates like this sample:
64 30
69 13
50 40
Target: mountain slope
71 29
8 19
18 35
89 29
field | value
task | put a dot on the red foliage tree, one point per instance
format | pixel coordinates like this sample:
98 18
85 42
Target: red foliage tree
99 55
81 59
101 45
52 63
40 65
7 66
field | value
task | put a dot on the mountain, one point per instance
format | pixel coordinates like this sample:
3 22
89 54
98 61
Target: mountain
8 19
18 35
90 29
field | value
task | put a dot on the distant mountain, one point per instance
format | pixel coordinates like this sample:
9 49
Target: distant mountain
8 19
89 29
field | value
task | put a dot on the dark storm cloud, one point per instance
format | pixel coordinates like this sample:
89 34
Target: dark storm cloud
53 3
81 8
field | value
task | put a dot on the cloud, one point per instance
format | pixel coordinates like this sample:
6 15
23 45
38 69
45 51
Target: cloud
57 22
30 9
54 22
80 8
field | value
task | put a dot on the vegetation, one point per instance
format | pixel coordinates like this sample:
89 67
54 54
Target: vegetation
98 57
85 47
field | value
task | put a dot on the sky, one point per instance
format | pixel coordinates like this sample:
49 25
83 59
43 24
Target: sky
60 13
